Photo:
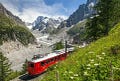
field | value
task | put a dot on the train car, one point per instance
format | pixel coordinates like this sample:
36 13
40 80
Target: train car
40 63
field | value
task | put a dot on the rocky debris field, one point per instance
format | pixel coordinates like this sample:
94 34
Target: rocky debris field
17 53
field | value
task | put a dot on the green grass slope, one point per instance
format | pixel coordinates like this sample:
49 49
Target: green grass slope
100 61
9 30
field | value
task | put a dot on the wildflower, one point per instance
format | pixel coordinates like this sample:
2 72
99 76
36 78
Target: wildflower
103 53
85 73
88 65
64 74
95 80
91 52
92 60
71 77
98 56
75 75
96 64
70 72
116 68
88 68
65 71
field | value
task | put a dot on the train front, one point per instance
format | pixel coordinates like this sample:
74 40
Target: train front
34 66
31 68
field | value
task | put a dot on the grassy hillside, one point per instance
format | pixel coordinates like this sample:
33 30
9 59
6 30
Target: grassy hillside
100 61
11 31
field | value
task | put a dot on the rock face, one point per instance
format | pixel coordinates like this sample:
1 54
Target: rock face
46 24
16 19
84 11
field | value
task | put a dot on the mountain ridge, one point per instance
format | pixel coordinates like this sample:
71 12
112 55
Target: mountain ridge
6 12
83 12
13 28
46 24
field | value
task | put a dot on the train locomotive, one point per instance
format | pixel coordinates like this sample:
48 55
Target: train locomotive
40 63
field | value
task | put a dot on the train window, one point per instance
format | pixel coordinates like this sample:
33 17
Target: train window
42 63
47 61
52 59
56 58
59 57
31 65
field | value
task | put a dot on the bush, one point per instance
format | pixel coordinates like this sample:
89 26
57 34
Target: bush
13 75
58 46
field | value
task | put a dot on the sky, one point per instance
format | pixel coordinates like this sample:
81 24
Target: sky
29 10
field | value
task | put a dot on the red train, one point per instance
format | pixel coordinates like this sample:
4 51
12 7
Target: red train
40 63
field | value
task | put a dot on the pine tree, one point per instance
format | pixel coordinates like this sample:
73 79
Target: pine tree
105 10
58 46
24 67
4 67
94 29
109 13
115 15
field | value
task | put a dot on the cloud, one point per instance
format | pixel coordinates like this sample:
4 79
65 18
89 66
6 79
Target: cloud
29 10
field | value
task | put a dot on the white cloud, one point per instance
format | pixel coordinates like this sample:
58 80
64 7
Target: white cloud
29 10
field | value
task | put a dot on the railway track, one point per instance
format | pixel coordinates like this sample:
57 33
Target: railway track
26 77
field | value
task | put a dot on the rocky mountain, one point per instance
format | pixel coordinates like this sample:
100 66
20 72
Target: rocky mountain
46 24
77 21
7 13
84 11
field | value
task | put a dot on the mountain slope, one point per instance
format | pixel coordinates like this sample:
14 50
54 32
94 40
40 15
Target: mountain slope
96 62
11 29
83 12
77 32
8 14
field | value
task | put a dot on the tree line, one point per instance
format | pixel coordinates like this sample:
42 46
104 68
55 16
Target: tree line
6 73
108 15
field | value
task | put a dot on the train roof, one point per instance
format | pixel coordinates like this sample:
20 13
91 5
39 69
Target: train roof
50 55
56 53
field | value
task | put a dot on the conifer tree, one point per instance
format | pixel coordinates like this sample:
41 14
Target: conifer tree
105 10
24 67
94 29
4 67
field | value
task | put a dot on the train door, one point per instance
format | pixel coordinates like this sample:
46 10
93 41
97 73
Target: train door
37 68
43 65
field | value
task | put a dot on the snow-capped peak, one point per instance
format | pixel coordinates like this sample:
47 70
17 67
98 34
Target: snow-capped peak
43 23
